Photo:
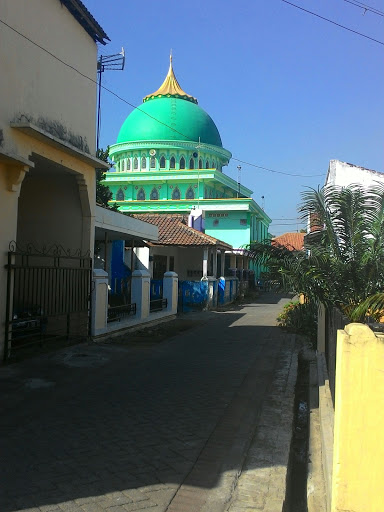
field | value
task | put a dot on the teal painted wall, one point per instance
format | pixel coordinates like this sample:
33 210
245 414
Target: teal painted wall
232 227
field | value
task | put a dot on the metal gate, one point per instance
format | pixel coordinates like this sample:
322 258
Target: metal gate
48 296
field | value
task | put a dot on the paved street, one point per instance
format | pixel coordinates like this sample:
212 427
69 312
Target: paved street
198 422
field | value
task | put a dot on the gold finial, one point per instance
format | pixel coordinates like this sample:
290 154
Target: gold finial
170 87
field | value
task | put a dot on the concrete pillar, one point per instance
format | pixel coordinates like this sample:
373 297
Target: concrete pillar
99 302
170 291
205 262
222 270
214 271
140 293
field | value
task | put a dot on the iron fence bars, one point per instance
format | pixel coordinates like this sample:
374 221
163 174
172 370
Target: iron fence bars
48 296
157 305
118 313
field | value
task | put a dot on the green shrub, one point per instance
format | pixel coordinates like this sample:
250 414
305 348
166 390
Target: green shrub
299 318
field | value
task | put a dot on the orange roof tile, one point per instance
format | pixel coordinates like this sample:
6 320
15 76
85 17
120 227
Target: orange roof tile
173 230
292 241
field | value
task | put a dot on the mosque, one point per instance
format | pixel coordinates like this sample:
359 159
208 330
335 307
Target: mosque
169 159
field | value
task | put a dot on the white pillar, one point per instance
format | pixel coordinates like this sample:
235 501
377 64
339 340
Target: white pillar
140 293
99 302
215 262
170 291
205 262
222 270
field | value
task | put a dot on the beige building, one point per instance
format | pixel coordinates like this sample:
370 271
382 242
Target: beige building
47 164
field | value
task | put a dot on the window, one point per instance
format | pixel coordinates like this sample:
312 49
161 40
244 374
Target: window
190 193
182 163
207 164
191 163
200 164
143 162
128 164
213 165
135 163
176 194
172 163
122 166
120 195
141 195
154 194
162 162
152 163
243 222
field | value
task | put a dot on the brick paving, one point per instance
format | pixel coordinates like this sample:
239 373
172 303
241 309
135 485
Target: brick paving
198 422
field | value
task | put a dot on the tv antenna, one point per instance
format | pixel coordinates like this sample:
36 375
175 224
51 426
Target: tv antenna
114 62
238 179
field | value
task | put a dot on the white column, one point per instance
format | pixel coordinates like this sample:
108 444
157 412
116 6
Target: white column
205 262
214 262
222 270
170 291
140 293
99 302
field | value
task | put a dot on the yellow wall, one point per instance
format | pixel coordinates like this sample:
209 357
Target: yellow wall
358 464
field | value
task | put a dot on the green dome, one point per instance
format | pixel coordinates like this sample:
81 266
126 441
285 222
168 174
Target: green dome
183 120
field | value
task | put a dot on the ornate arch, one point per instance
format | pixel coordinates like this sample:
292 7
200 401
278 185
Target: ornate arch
176 194
154 194
141 194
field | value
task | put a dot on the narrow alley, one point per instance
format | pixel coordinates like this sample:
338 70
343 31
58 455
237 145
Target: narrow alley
200 421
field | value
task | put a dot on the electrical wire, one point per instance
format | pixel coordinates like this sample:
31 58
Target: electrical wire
146 113
333 22
365 7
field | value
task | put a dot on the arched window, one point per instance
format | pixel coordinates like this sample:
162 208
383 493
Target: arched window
143 162
128 164
154 194
120 195
135 163
162 162
190 194
152 162
182 163
176 193
213 165
207 164
121 166
141 195
172 163
191 163
200 164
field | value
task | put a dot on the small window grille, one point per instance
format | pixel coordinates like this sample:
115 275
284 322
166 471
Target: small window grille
190 193
154 194
135 163
143 162
153 162
176 194
162 162
182 163
191 163
172 163
141 195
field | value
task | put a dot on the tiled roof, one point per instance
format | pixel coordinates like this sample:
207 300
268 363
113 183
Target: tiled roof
292 241
174 230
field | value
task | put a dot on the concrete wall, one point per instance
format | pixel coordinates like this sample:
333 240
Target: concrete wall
232 227
37 88
358 457
344 174
35 84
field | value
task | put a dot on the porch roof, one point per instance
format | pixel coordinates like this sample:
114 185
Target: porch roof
118 226
173 230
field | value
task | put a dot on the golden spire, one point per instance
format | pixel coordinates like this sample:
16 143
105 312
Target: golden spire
170 87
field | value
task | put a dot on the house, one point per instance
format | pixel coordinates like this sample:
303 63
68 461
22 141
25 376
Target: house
169 159
291 241
343 174
47 168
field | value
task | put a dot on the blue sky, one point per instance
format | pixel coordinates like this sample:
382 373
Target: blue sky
287 90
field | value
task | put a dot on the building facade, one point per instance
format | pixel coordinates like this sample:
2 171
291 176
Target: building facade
169 158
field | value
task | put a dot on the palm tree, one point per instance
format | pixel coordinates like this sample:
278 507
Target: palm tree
344 260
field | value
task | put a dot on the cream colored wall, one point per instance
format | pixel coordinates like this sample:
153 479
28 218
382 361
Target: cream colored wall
34 83
35 87
48 200
358 456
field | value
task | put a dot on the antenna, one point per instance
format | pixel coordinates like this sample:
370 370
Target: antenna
238 180
114 62
198 174
262 202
